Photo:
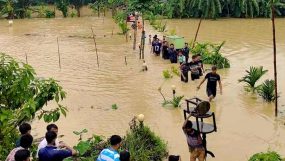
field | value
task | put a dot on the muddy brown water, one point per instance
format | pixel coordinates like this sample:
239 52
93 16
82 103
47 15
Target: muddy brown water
245 123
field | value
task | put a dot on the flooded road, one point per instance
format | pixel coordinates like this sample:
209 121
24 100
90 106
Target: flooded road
246 124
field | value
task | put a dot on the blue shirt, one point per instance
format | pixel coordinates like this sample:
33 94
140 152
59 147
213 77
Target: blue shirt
51 153
109 155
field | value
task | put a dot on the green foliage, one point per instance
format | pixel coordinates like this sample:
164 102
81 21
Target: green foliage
115 107
124 27
143 144
268 156
175 102
62 5
73 13
22 97
252 76
49 13
172 32
211 54
266 90
166 74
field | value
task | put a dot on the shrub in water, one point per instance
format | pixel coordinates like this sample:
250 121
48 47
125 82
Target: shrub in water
268 156
266 90
144 145
252 76
211 54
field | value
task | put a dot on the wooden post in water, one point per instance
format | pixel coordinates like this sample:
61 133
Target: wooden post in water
126 60
59 61
26 57
143 37
274 57
95 47
196 35
135 33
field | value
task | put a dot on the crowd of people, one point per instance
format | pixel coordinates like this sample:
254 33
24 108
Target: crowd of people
194 66
51 149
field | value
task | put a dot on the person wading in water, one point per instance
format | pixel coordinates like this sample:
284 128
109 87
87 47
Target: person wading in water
212 77
194 141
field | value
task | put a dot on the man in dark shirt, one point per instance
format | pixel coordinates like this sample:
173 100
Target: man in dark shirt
172 54
186 51
212 77
194 141
200 63
194 68
157 47
165 50
51 153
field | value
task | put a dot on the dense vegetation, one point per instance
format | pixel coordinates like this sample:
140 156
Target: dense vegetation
268 156
265 90
140 141
170 9
22 98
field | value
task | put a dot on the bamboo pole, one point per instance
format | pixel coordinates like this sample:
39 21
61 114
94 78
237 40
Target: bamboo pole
274 57
126 60
26 55
95 47
143 37
59 60
135 33
196 35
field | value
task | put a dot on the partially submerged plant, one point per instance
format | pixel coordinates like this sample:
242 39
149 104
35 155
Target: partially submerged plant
115 106
211 54
252 76
166 74
268 156
144 144
175 102
266 90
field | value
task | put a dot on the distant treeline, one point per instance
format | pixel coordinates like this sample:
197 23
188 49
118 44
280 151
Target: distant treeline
167 8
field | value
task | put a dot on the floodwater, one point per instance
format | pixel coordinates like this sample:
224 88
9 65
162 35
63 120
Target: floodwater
246 124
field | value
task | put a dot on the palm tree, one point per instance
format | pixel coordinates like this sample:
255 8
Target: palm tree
245 8
206 9
252 76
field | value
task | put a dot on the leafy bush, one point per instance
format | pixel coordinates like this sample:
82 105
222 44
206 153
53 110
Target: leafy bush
62 5
22 97
49 13
211 54
124 27
166 74
268 156
144 145
252 76
175 102
73 13
266 90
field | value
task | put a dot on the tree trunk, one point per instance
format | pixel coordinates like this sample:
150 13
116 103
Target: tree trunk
197 32
274 57
98 9
78 11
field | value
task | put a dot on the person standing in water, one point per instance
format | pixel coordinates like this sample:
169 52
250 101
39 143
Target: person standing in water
212 77
157 47
194 141
186 51
200 63
172 54
181 58
194 68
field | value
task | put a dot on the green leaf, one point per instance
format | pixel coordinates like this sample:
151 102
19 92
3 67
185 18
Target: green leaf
114 106
82 147
76 132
